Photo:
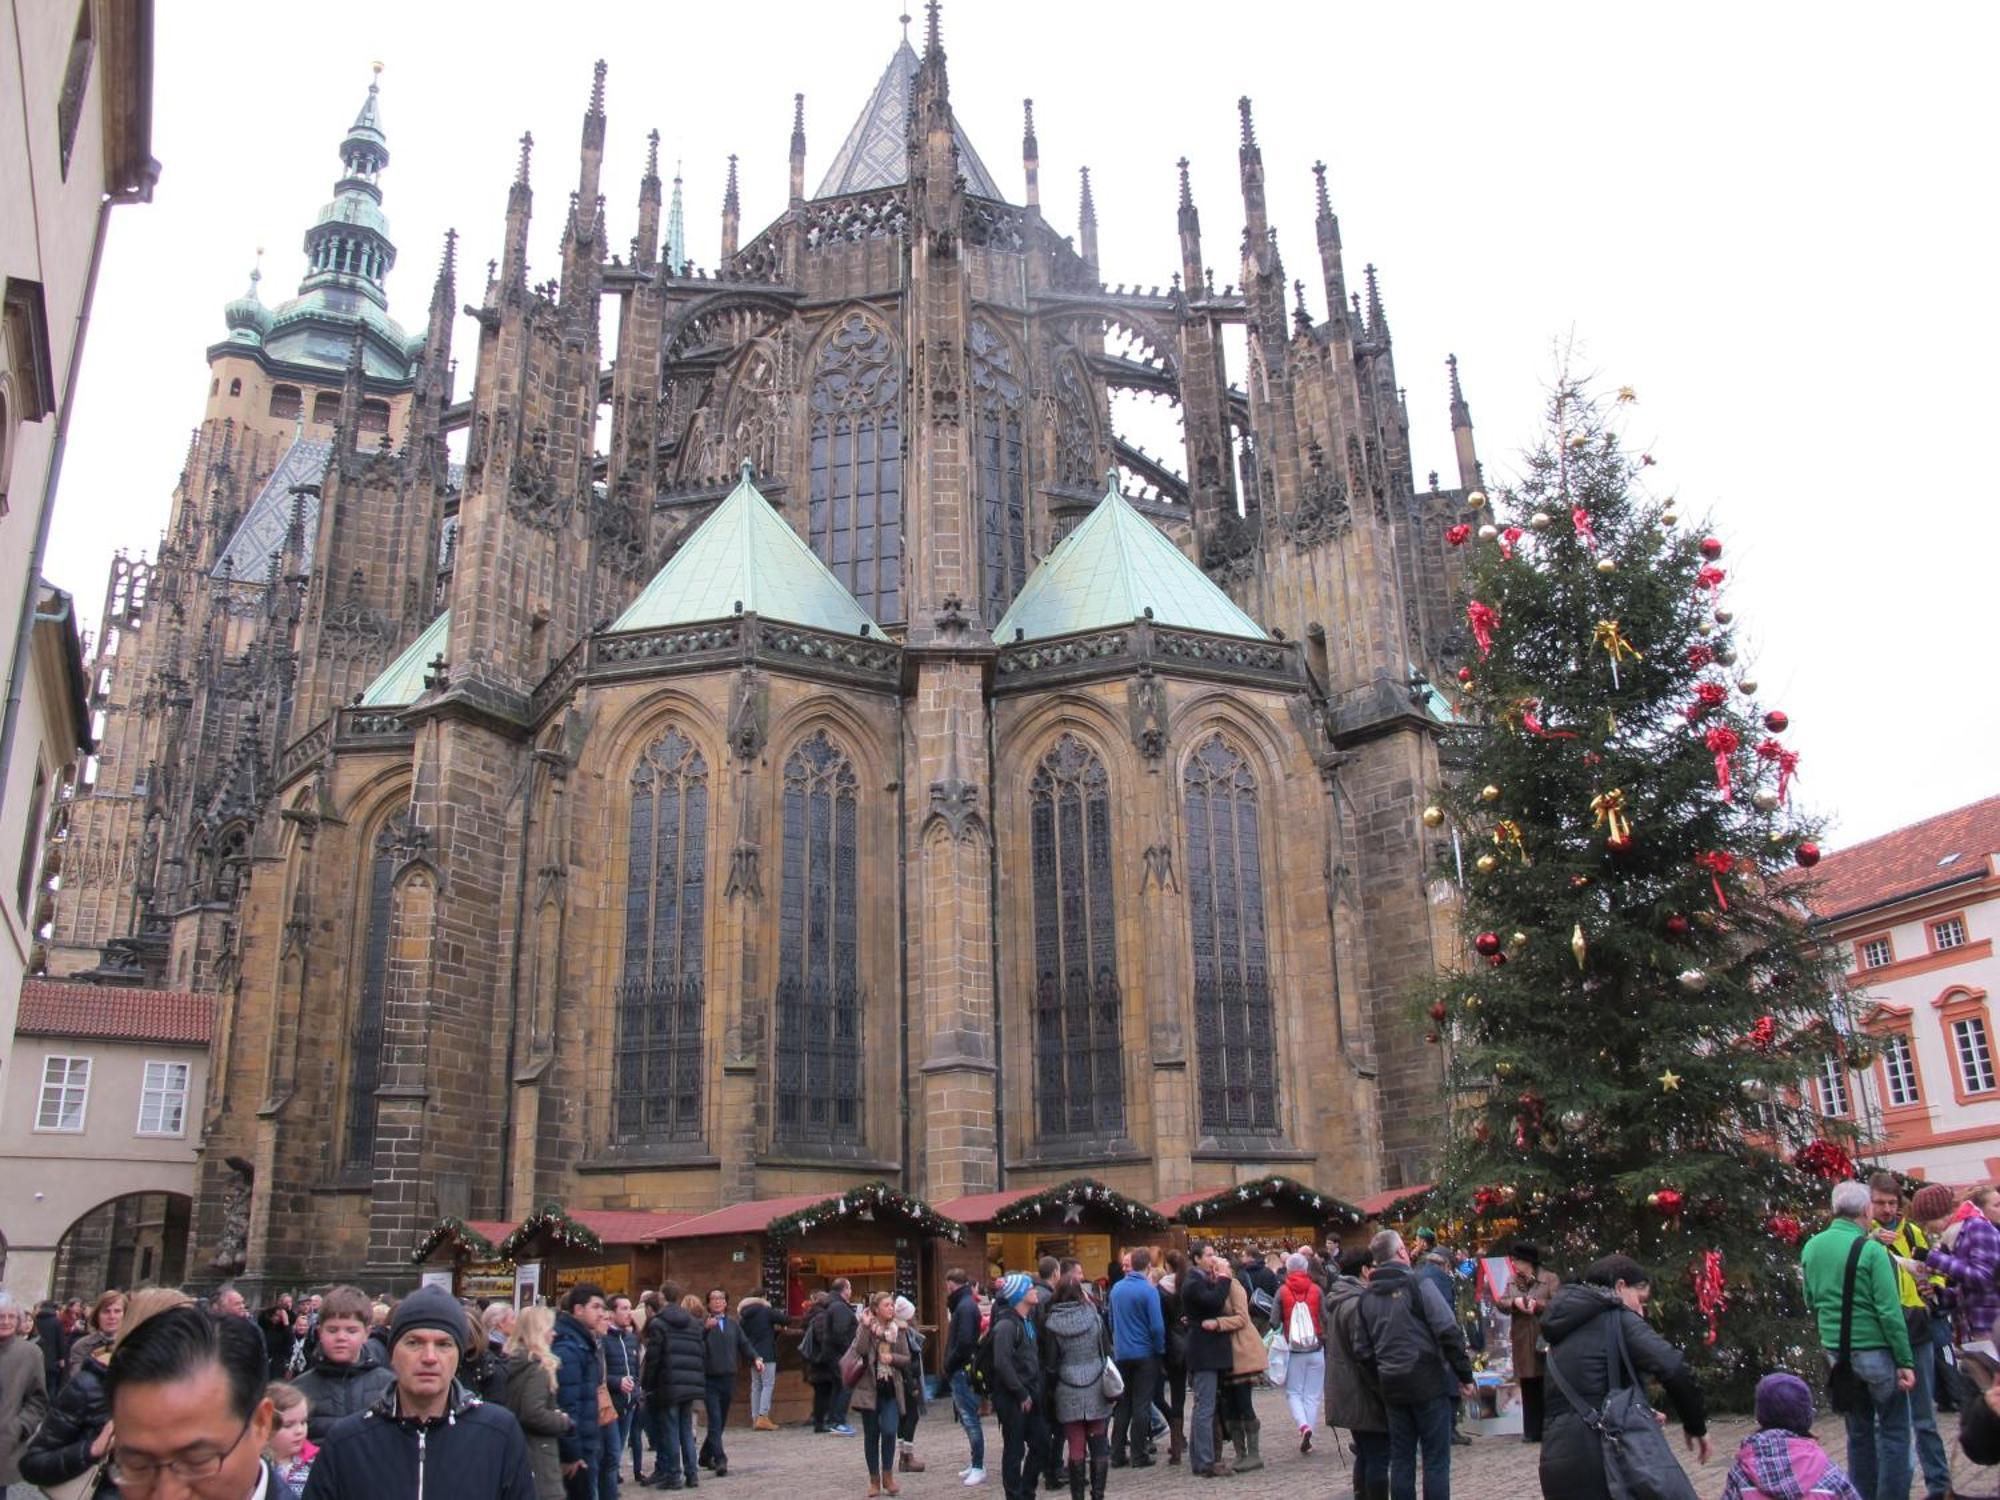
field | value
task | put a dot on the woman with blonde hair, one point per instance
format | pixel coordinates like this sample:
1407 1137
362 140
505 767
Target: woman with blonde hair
530 1394
99 1328
882 1348
76 1434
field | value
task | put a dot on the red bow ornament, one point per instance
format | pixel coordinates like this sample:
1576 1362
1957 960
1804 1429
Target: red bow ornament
1787 762
1482 618
1700 654
1718 863
1711 1294
1456 535
1586 533
1509 539
1709 579
1722 743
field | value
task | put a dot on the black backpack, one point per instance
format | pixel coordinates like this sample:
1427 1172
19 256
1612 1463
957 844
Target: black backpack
814 1336
980 1371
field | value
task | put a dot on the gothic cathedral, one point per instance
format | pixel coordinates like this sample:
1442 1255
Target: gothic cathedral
861 762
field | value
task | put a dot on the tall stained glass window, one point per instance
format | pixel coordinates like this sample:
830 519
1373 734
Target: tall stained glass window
364 1073
1079 1058
1000 467
1235 1034
819 951
854 517
656 1094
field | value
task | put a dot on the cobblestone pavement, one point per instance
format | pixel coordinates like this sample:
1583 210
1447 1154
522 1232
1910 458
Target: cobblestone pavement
793 1462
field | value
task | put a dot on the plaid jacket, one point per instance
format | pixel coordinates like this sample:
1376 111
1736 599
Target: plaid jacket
1971 1266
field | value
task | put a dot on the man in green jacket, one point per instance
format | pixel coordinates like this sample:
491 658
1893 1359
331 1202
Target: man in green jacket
1878 1343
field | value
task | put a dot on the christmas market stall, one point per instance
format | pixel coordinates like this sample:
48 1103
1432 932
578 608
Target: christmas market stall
1271 1213
462 1255
558 1248
785 1249
1081 1218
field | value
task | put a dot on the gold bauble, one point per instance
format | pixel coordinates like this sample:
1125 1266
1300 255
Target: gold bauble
1668 518
1581 440
1472 1002
1489 793
1433 816
1775 839
1747 687
1488 532
1724 616
1475 500
1766 801
1725 654
1541 520
1652 1200
1518 941
1704 627
1503 1069
1486 864
1606 565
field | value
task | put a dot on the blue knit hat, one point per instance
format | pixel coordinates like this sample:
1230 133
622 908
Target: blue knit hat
1012 1288
1784 1400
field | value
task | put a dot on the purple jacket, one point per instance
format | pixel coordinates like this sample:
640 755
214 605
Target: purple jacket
1972 1266
1775 1464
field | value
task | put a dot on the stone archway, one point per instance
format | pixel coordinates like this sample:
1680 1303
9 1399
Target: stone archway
136 1239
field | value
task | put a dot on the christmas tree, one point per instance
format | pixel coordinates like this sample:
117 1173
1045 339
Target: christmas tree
1638 1029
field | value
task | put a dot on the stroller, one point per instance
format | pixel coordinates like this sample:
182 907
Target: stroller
1977 1379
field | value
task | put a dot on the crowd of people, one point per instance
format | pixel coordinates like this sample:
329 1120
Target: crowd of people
340 1396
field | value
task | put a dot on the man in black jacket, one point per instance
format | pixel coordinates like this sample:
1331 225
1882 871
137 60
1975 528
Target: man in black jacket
724 1344
1017 1386
961 1342
835 1337
1210 1355
426 1436
1407 1339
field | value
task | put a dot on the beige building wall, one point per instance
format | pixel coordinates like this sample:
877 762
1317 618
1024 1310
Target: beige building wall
49 1178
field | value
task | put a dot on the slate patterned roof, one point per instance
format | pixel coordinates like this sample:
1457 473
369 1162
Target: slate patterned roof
1109 571
876 153
112 1014
262 529
745 556
402 681
1908 860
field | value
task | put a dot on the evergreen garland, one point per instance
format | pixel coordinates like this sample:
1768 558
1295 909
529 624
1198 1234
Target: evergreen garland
452 1230
1086 1192
553 1224
1327 1208
875 1197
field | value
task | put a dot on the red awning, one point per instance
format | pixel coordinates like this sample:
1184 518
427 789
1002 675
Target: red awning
1381 1203
619 1226
1166 1208
979 1208
495 1230
747 1217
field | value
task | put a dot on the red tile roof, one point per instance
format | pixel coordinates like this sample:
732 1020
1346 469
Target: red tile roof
495 1230
1166 1208
747 1217
1908 860
979 1208
112 1014
1381 1203
619 1226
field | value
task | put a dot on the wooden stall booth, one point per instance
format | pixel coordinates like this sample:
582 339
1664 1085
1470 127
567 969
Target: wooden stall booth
464 1255
785 1249
1271 1213
1081 1218
558 1248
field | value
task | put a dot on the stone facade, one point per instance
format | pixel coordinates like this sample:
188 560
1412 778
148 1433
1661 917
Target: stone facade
422 915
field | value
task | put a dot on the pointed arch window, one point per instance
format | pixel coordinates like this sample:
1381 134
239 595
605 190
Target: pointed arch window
1079 1053
1076 435
1235 1032
854 516
819 951
1000 468
394 844
656 1091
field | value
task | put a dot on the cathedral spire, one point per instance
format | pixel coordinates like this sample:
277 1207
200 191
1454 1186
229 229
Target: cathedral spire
1461 432
1378 325
1251 162
731 216
1031 154
592 153
646 243
798 149
933 37
1190 219
1086 220
520 208
1327 227
348 246
676 230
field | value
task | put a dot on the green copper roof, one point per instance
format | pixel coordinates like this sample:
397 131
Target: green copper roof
1109 571
744 557
402 681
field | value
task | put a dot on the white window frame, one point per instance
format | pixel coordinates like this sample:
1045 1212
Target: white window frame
1896 1049
1868 960
63 1085
1963 1031
1836 1100
1939 928
159 1094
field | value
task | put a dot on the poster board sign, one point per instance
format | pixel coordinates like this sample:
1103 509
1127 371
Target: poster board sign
614 1280
491 1279
439 1278
527 1284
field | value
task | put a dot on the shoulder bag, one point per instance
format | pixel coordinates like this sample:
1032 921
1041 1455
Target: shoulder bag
1639 1462
1843 1386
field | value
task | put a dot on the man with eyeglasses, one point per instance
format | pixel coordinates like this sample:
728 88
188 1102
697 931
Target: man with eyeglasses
188 1413
426 1438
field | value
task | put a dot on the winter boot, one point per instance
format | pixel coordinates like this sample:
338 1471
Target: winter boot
1237 1441
1248 1434
1176 1444
1077 1477
907 1459
1100 1474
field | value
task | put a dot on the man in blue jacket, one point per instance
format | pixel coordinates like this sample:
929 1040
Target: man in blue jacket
580 1372
1139 1344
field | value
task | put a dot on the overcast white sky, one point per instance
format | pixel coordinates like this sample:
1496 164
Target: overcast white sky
1773 220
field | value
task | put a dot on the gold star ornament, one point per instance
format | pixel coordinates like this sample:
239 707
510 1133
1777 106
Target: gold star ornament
1670 1082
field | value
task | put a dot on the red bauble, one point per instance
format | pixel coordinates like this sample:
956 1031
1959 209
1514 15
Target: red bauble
1807 854
1677 926
1711 547
1784 1227
1437 1010
1668 1201
1496 959
1431 1037
1465 675
1487 943
1777 721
